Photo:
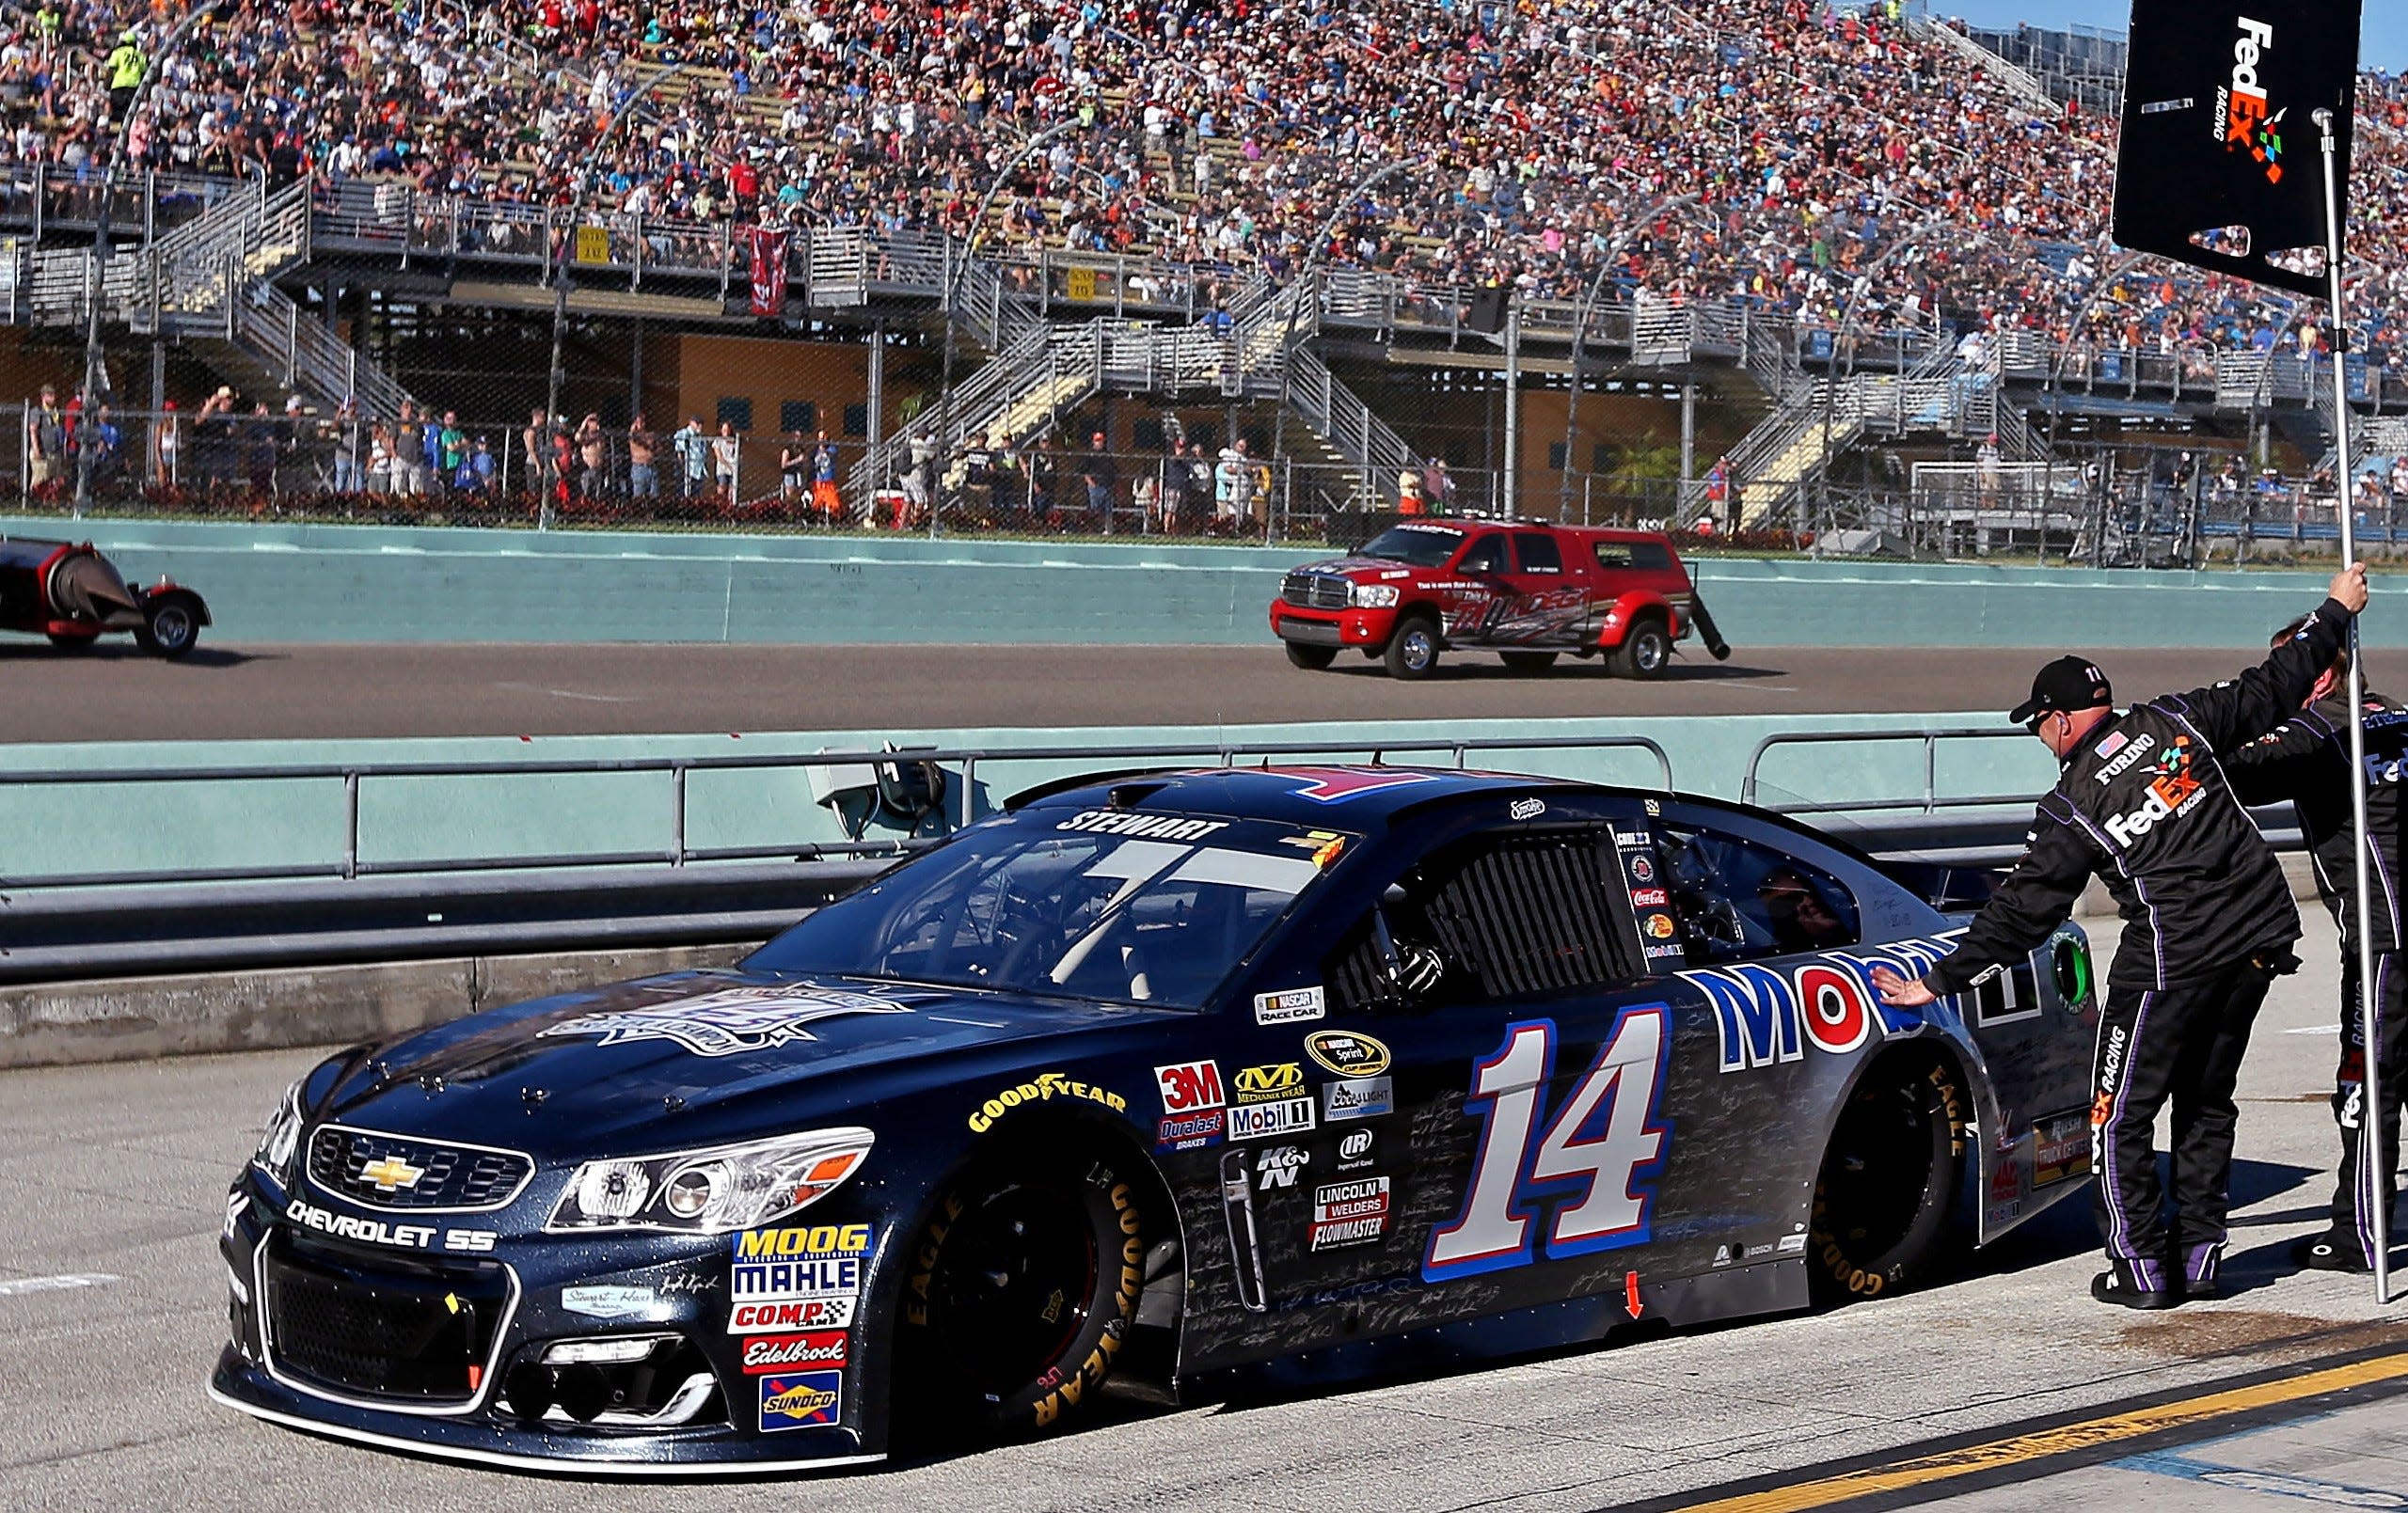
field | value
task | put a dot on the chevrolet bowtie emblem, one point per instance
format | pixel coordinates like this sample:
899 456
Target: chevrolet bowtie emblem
391 1172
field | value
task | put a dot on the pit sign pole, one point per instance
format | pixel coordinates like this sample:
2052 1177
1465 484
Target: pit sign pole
2374 1187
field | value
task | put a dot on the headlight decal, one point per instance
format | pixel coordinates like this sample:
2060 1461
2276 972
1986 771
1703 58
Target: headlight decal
281 1142
716 1191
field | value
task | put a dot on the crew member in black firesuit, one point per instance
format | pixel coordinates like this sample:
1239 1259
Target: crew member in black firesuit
2142 800
2306 760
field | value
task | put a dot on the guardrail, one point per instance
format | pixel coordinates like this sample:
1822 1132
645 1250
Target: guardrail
678 854
1930 802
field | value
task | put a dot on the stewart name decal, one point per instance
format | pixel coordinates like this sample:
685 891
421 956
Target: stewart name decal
1766 1015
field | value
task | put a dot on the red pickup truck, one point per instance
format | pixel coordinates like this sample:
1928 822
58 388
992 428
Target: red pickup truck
1528 591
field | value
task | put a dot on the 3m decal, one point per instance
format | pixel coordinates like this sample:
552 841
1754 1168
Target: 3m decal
787 1318
1593 1169
788 1353
1190 1086
800 1400
727 1022
1347 1054
1357 1098
1289 1006
1047 1087
1770 1015
1350 1213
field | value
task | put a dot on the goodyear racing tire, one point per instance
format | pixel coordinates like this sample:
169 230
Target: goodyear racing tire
1527 661
1645 653
1885 1195
1017 1297
1412 648
1311 658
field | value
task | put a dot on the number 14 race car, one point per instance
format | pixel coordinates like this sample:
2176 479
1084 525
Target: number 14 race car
1289 1072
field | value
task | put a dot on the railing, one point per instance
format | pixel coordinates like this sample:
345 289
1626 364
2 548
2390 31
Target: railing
351 864
1931 801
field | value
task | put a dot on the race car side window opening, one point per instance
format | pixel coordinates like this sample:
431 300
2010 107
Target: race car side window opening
1487 555
1415 545
1023 908
1738 900
1491 918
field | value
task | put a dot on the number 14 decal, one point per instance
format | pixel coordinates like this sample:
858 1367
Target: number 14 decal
1596 1161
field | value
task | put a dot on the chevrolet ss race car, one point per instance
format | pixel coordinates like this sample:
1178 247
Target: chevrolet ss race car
1287 1074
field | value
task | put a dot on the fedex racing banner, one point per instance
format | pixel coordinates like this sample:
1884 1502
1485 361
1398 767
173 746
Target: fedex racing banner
2219 164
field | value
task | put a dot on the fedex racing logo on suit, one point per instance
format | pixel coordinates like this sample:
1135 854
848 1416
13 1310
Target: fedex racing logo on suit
1770 1014
2173 790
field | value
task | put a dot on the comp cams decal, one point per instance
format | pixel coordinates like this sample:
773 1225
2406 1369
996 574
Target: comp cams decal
1583 1182
730 1021
1770 1015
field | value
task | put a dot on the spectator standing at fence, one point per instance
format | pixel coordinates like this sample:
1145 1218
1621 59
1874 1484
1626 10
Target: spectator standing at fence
96 447
409 452
825 496
1232 489
920 456
434 478
258 445
346 442
213 438
1102 478
453 446
1011 481
726 460
793 472
1044 483
693 451
1199 478
1437 489
1409 499
593 459
643 467
482 469
49 442
380 459
167 447
1174 488
562 469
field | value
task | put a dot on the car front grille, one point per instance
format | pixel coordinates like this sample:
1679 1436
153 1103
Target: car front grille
387 1329
1314 590
395 1172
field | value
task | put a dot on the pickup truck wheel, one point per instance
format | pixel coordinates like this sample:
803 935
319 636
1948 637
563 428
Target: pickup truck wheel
1311 658
1527 661
1645 653
1412 651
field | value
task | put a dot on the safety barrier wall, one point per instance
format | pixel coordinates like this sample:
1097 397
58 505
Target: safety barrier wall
270 582
300 825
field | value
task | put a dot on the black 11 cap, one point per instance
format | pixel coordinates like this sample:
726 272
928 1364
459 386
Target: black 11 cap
2065 685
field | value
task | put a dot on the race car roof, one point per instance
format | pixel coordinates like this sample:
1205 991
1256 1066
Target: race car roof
1356 796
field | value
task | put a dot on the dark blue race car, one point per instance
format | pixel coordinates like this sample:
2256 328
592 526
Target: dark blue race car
1300 1072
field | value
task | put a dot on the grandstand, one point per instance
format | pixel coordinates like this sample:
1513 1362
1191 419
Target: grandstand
1894 236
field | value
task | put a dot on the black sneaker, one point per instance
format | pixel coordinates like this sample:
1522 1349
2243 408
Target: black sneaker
2332 1251
2116 1285
2199 1265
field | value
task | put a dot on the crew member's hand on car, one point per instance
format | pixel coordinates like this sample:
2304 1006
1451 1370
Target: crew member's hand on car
1905 992
2349 586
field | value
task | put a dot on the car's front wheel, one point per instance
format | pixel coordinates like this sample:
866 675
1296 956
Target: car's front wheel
1888 1183
1412 651
1311 658
169 627
1022 1284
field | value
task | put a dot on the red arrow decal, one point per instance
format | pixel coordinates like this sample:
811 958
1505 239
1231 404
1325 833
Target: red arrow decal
1630 1293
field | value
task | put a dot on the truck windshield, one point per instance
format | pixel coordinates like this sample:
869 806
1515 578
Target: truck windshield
1416 546
1133 906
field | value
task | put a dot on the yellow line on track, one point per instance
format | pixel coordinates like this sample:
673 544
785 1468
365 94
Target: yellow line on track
2043 1444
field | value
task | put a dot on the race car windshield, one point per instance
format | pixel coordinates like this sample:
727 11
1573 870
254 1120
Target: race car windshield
1144 907
1415 545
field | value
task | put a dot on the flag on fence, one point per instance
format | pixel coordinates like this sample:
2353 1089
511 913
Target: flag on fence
769 270
2218 165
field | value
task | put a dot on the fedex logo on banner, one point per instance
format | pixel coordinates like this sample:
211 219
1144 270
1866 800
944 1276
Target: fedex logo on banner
2242 118
1770 1015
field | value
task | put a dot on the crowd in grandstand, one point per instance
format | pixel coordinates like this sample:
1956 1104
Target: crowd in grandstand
1824 144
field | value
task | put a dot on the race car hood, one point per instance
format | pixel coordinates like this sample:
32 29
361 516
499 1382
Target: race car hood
702 1057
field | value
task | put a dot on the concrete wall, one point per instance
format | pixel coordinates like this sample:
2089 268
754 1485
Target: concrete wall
270 582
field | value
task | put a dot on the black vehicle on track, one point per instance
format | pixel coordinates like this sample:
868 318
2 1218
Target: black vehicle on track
75 595
1291 1071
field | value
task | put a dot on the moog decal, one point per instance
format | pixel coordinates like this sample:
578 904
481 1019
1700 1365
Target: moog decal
1770 1014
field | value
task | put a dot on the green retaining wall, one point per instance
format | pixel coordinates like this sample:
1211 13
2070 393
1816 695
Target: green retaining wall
270 582
215 823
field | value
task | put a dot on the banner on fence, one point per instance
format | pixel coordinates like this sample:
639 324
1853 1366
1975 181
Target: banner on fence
769 270
2218 167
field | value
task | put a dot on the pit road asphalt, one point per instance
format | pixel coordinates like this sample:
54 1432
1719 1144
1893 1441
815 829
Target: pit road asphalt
119 1171
113 692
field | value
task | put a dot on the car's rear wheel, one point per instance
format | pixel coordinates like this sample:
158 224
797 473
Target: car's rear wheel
1527 661
1022 1284
1645 653
1311 658
1412 649
1888 1183
169 628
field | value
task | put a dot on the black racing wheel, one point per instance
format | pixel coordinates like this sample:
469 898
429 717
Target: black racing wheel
1022 1284
1889 1180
